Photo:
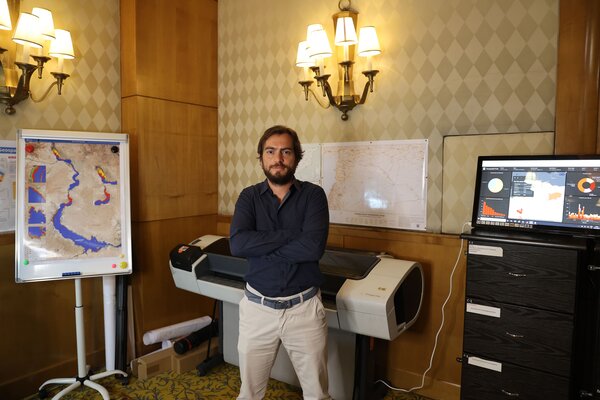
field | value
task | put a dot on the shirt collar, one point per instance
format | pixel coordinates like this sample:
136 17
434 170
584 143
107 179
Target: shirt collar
264 185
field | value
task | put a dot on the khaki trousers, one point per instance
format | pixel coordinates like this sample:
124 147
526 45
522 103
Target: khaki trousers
301 329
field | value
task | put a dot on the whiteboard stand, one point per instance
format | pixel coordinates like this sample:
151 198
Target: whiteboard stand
82 369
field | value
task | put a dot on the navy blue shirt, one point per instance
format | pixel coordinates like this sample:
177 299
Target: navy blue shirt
282 242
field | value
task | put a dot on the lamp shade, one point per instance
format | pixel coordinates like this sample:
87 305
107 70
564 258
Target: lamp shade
302 57
345 33
368 44
319 44
46 22
62 46
311 28
28 32
5 23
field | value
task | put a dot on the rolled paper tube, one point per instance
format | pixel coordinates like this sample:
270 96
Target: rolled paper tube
176 330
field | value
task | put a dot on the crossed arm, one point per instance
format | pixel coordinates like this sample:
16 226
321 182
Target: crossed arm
306 243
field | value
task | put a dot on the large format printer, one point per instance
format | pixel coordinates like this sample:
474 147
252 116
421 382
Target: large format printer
364 296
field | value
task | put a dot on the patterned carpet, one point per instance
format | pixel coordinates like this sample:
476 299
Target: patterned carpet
222 383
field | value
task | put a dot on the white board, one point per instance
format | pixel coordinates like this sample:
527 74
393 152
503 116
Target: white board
378 183
73 209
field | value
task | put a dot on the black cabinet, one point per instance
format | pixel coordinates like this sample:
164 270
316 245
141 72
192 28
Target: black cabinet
531 318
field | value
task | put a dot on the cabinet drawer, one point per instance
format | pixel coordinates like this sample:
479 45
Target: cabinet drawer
513 382
524 336
533 276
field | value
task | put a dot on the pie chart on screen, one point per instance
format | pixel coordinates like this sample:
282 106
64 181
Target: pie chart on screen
495 185
586 185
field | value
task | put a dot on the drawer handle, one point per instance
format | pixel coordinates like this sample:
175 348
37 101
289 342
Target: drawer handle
511 394
514 335
517 275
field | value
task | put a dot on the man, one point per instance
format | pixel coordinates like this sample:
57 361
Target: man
280 225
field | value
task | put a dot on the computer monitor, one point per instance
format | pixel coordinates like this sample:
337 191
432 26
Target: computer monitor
555 194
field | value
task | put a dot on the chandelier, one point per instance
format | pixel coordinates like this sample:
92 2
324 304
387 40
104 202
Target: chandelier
33 31
313 51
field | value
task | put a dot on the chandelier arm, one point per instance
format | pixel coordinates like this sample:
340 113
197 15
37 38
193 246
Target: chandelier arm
325 106
327 89
22 90
43 97
368 86
365 93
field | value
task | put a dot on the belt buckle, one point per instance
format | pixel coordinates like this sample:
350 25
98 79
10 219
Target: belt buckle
283 304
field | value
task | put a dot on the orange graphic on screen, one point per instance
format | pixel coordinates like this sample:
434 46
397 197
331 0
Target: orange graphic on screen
490 212
586 185
554 196
580 215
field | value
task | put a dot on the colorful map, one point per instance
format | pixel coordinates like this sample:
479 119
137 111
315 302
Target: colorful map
73 200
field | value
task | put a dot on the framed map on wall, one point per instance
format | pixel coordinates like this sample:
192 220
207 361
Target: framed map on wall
377 183
73 209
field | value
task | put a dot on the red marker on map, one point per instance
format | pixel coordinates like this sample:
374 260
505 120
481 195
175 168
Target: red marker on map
29 148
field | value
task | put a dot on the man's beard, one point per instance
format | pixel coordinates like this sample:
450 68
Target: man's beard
280 179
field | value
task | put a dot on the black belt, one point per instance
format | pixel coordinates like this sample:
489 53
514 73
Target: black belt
281 304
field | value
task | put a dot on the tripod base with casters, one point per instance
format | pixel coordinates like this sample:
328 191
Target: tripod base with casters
74 383
83 377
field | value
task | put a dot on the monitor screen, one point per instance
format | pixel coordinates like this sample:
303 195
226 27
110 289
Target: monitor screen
538 193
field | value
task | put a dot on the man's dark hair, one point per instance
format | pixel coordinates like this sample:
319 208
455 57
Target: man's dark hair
281 130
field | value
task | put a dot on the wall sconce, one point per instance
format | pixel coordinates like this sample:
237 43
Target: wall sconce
31 31
313 51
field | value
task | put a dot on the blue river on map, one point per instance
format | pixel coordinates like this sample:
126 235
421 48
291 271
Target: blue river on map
100 202
92 244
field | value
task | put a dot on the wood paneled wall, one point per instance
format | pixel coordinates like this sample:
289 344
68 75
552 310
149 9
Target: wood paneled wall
169 50
173 158
578 78
169 108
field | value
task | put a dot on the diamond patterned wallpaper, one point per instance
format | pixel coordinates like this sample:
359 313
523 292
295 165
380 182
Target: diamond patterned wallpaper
448 67
91 97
